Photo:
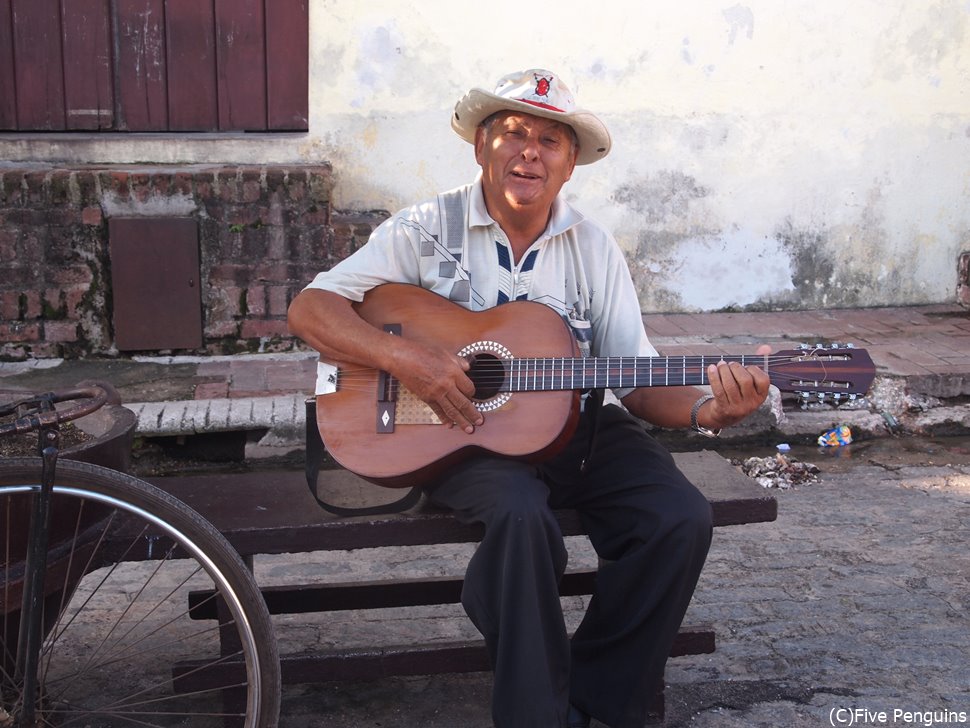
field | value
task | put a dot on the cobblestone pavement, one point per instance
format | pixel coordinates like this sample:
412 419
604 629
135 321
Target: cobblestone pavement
854 603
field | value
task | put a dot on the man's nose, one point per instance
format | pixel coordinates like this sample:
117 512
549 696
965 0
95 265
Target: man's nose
530 148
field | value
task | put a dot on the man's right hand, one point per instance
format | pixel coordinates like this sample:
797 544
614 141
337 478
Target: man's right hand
329 323
438 378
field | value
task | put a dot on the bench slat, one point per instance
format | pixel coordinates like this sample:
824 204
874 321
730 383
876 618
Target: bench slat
310 598
274 513
368 663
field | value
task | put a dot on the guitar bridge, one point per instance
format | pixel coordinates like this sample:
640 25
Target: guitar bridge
387 389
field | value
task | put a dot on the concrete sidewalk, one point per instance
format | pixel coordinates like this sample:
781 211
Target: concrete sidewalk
922 358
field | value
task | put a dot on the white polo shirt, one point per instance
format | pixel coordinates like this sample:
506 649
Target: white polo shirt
452 246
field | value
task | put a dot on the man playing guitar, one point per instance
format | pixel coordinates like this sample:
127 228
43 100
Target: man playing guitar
510 236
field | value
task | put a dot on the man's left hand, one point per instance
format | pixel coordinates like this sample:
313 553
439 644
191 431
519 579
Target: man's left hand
738 391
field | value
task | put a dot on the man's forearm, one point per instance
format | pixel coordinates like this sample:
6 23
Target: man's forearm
327 322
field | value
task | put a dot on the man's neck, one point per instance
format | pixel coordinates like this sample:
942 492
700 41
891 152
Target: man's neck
521 227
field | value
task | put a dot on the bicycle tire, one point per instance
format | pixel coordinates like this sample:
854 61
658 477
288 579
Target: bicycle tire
141 659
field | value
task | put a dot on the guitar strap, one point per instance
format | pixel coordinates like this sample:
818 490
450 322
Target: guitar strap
314 461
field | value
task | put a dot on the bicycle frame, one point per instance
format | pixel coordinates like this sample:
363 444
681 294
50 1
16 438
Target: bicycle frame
39 413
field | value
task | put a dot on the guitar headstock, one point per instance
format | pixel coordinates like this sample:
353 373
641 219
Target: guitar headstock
838 371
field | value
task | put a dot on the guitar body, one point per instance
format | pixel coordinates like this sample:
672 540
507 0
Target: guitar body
530 426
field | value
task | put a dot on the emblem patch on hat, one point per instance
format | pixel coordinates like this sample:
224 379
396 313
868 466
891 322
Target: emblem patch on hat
543 84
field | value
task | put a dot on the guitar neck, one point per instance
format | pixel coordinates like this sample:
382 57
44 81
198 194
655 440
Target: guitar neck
553 373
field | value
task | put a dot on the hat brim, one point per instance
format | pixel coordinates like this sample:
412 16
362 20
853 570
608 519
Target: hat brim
478 104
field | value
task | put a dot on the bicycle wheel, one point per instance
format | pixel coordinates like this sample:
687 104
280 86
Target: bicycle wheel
130 570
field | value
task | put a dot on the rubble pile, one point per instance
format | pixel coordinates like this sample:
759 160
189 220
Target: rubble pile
779 471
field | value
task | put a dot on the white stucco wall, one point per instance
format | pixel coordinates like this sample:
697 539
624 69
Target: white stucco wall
797 154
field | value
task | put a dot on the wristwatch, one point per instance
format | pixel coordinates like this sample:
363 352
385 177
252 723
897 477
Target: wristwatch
693 417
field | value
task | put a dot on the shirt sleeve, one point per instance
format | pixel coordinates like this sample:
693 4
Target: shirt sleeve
389 256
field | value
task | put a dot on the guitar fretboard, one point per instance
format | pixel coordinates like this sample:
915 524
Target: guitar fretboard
551 374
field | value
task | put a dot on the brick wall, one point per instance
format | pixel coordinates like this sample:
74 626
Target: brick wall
264 232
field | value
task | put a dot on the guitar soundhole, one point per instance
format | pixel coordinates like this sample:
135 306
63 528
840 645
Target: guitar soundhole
488 376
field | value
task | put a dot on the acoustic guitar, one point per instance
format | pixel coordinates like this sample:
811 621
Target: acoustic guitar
528 376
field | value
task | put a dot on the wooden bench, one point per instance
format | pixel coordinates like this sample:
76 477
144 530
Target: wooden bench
274 513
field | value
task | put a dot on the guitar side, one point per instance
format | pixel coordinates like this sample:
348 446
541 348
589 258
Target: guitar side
530 426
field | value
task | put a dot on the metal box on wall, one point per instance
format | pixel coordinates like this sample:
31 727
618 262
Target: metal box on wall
157 302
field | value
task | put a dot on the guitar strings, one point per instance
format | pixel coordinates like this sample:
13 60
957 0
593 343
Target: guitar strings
690 363
676 368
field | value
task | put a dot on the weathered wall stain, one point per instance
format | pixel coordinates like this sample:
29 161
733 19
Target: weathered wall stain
813 269
661 198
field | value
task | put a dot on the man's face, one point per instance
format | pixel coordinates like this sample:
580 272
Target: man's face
525 161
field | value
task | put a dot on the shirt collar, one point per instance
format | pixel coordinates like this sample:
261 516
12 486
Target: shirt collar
564 215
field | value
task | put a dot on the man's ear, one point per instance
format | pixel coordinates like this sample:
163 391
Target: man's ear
480 134
572 164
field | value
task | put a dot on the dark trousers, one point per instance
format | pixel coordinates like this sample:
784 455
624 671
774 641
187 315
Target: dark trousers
648 524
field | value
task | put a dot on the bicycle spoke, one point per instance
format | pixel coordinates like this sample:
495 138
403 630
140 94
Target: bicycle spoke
123 616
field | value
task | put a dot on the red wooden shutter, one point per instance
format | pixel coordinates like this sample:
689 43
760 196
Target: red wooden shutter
190 35
287 65
241 64
141 75
8 88
154 65
86 40
38 64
